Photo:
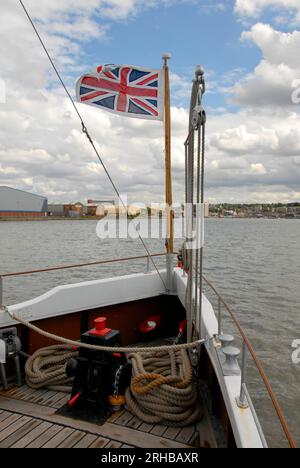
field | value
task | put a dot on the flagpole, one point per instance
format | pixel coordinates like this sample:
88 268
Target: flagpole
169 197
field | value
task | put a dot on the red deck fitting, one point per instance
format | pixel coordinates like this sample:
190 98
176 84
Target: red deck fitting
100 327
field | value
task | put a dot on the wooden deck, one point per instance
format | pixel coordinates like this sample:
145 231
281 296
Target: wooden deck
28 419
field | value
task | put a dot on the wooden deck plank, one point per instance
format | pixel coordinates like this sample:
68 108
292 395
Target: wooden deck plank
33 435
7 392
12 391
158 429
45 437
101 442
172 432
115 416
4 415
55 398
62 402
145 427
72 440
37 397
110 431
9 420
41 400
23 396
23 392
59 437
24 389
124 418
14 427
134 423
32 397
86 441
13 438
113 444
186 434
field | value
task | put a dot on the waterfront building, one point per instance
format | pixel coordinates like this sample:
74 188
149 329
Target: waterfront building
16 203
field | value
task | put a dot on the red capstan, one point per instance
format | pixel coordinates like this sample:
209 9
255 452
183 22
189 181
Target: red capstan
100 327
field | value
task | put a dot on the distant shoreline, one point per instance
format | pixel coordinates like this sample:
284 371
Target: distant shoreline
93 218
52 218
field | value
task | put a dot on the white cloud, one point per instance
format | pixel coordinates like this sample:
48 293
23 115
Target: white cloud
48 11
258 169
240 141
261 134
277 47
254 8
269 85
271 82
253 155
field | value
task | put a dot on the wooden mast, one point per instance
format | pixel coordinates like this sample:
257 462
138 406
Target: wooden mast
169 197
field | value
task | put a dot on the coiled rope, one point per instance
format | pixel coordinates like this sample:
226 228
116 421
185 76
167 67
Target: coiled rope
46 368
162 390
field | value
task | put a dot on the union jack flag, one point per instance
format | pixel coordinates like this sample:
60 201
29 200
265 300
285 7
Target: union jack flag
125 90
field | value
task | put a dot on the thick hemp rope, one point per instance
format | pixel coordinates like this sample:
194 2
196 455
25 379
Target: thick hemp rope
109 349
46 368
162 389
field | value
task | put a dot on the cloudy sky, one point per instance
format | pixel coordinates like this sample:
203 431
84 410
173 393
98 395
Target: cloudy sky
249 48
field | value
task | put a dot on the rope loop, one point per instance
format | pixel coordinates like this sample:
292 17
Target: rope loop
162 390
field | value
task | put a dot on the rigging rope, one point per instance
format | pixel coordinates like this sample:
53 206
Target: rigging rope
86 132
117 349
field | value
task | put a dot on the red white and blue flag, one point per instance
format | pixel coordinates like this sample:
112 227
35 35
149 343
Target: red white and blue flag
125 90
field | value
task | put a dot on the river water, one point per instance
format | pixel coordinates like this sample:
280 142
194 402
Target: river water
255 264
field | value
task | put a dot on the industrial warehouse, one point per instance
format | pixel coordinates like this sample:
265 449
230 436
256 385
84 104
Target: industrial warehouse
19 204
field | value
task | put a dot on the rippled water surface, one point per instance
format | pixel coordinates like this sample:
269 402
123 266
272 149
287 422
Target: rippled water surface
254 263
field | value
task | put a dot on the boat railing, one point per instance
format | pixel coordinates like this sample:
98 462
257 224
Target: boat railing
74 266
244 399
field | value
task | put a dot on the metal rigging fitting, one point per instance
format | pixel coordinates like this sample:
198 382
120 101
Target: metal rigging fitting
199 115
